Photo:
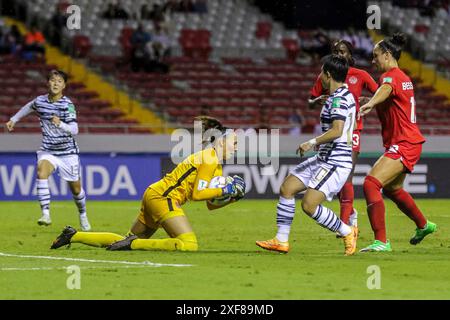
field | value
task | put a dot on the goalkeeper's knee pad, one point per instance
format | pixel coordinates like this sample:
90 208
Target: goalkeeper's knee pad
189 241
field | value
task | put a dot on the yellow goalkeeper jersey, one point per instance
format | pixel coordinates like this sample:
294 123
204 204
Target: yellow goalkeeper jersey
193 173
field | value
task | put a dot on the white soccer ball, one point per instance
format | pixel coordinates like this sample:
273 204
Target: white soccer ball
220 182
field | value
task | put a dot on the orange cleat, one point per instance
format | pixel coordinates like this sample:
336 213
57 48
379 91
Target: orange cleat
350 241
274 245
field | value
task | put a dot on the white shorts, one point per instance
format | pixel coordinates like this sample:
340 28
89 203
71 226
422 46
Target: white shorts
68 166
319 175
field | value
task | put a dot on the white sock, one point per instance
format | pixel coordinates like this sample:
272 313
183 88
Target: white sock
285 216
43 194
80 201
327 219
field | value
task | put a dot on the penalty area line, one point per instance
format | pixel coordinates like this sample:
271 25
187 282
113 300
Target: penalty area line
135 263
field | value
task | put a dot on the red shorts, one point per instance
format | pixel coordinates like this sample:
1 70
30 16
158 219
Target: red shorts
408 153
356 138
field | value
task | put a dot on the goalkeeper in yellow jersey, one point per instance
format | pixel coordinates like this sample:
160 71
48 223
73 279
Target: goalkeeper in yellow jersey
162 201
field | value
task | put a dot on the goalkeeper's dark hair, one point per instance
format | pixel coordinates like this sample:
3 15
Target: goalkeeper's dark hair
211 124
337 66
394 44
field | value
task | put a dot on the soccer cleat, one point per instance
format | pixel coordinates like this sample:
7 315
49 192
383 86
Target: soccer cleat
122 245
378 246
430 227
44 220
274 245
84 223
350 241
64 238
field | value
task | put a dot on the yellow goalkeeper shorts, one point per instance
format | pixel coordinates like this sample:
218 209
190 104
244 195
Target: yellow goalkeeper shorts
155 209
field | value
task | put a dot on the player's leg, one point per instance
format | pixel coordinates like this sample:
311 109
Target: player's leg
181 238
159 211
325 217
94 239
407 205
44 169
79 196
346 197
285 215
70 171
103 239
385 171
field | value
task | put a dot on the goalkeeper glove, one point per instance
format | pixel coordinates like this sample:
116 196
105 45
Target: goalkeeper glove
230 189
240 186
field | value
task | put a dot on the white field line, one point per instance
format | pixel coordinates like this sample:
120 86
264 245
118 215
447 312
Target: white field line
63 268
143 263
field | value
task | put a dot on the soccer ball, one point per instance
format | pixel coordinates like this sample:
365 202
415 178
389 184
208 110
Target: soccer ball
220 182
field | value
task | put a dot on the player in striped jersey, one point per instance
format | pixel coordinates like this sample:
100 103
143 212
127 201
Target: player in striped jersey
323 175
59 150
357 80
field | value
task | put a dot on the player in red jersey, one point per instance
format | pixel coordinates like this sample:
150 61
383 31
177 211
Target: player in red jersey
402 140
356 80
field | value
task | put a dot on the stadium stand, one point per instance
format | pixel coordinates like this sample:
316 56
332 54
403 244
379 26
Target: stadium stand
236 63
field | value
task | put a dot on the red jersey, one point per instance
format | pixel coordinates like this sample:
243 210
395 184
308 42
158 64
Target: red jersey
356 80
398 113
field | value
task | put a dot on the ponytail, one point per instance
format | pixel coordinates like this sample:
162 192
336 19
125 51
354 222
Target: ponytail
394 45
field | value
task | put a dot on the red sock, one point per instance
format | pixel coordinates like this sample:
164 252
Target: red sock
406 204
375 207
346 197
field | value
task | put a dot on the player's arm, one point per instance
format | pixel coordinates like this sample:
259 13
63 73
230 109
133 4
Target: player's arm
70 125
380 96
23 112
336 130
317 98
314 102
371 85
201 191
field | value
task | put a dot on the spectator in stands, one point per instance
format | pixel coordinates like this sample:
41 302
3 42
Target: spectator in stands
201 6
366 46
186 6
145 12
153 59
139 40
318 45
171 6
296 120
157 14
11 41
34 44
58 22
162 41
115 11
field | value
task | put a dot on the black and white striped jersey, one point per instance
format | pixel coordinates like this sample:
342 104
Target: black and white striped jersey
339 106
56 140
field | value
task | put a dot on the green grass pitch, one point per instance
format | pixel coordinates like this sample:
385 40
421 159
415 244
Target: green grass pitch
228 264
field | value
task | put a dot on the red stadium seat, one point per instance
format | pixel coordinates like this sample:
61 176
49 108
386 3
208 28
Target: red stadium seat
263 30
81 46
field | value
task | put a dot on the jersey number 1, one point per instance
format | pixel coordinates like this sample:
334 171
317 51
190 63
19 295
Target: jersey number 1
413 110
